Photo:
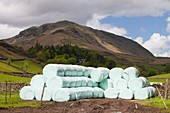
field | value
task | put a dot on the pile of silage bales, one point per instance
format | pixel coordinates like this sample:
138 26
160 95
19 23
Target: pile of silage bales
73 82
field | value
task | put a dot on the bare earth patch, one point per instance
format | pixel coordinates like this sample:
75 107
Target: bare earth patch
87 106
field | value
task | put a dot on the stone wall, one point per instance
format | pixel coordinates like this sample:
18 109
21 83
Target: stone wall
15 86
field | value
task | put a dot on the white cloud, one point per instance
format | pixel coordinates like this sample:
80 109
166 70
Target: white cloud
95 23
28 12
158 44
139 40
7 31
168 25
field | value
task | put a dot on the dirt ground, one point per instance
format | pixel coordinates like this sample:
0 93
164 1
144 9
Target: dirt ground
87 106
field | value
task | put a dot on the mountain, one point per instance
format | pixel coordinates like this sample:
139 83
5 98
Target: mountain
65 32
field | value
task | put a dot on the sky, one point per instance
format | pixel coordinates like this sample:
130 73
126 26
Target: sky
144 21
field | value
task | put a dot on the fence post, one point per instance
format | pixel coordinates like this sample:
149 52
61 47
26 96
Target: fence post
161 98
5 92
43 93
9 89
166 88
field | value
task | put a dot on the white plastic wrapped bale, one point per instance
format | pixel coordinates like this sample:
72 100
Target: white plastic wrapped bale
83 93
27 93
120 84
146 83
88 70
98 92
90 82
107 83
126 94
80 70
61 95
153 91
130 73
66 94
46 96
99 74
37 81
116 73
51 70
137 83
68 70
111 93
144 93
56 82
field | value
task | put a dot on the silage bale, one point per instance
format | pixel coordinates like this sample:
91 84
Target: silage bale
68 69
137 83
126 94
57 82
46 96
61 95
51 70
130 73
153 91
37 81
88 70
27 93
99 74
142 94
98 92
66 94
116 73
120 84
80 70
145 81
107 83
111 93
89 82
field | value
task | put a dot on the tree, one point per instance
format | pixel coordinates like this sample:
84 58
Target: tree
152 72
42 56
71 61
110 64
167 69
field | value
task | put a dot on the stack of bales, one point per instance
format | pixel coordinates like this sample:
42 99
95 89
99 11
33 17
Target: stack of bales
63 83
128 85
73 82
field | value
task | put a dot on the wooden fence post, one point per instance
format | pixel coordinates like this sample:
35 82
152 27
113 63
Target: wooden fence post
166 88
9 89
161 98
43 93
5 92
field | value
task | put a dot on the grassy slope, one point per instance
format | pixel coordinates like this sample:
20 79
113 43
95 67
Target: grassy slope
32 67
156 78
11 78
8 68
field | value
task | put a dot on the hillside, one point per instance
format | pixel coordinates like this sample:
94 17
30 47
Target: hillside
14 61
65 32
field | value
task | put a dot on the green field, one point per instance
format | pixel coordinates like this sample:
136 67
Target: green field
28 66
5 77
157 78
15 101
8 68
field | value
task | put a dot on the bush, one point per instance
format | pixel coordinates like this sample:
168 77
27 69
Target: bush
152 73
